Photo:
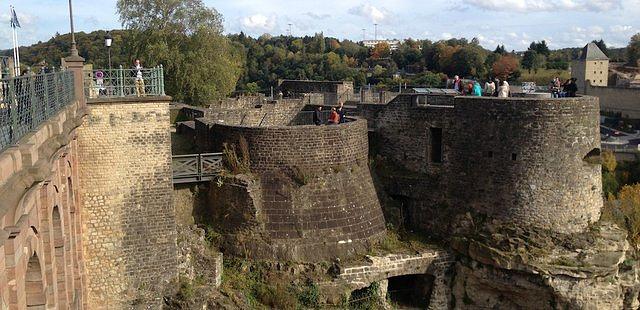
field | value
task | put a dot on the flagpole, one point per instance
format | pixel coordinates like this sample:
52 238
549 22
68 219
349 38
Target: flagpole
17 49
13 38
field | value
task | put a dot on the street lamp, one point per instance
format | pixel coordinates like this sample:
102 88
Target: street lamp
107 42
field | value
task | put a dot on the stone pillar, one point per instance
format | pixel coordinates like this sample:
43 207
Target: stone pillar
75 64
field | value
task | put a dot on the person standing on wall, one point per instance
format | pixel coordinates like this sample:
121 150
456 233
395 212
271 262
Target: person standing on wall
503 89
457 83
317 116
477 89
570 87
341 112
334 118
489 87
139 80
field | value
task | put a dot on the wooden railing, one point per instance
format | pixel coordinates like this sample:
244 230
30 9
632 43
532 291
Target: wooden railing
196 167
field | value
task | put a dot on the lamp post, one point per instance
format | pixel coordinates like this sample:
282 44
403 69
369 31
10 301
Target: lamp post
74 49
107 42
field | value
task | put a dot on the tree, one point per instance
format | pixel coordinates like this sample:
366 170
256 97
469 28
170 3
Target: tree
533 60
506 67
186 37
381 50
252 88
633 50
500 50
540 48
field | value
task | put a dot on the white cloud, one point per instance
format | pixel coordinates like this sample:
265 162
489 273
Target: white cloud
371 12
544 5
446 35
621 28
259 22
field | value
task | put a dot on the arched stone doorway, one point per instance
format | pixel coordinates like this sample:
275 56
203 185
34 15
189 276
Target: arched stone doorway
34 286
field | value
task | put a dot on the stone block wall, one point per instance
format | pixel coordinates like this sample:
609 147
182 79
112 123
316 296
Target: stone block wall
625 101
517 159
316 197
523 160
129 222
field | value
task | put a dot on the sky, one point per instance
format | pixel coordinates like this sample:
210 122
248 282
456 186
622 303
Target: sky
514 23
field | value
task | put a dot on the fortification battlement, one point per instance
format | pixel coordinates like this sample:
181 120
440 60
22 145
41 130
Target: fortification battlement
518 159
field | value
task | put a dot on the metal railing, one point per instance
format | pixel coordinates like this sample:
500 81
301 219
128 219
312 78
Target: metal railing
106 83
196 167
28 101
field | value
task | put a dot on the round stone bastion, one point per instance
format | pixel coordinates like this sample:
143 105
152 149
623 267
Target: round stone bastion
309 195
529 161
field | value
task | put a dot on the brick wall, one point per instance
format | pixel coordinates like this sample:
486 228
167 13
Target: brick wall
333 212
125 172
625 101
517 159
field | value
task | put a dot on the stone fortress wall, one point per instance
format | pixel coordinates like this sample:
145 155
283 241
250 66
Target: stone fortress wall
314 197
519 160
129 218
625 101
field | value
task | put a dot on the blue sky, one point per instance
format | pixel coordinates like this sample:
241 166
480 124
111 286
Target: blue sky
514 23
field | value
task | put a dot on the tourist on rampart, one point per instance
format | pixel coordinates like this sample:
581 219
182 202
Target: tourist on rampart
317 116
477 89
570 87
468 91
334 118
496 81
139 80
503 89
489 88
457 83
341 112
554 87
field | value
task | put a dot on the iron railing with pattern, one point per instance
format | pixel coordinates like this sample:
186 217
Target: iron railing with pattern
28 101
196 167
105 83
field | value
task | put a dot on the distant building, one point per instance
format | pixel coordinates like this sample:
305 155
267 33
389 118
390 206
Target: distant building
593 65
393 44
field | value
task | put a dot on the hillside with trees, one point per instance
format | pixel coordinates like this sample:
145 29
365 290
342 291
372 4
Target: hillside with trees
208 65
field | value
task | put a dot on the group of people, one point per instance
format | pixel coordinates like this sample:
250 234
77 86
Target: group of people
495 88
337 115
567 89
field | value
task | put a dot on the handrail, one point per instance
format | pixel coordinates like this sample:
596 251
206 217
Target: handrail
192 168
28 101
120 82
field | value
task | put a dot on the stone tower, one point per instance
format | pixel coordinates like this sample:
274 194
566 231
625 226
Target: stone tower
593 65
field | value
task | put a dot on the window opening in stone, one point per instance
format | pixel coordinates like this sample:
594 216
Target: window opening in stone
410 291
593 157
436 144
490 154
34 287
514 156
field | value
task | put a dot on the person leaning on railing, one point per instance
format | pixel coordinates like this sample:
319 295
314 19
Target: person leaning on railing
139 80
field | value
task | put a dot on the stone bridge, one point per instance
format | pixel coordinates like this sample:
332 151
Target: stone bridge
380 269
86 212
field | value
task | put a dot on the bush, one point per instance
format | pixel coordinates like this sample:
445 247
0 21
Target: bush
625 211
237 164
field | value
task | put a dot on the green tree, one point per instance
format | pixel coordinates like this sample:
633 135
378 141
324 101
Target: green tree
633 50
252 88
186 37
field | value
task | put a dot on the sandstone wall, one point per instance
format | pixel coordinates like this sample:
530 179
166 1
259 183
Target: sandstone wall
42 262
317 200
625 101
129 223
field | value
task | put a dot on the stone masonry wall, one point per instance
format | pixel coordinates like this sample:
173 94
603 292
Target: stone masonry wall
129 223
625 101
317 197
522 160
516 159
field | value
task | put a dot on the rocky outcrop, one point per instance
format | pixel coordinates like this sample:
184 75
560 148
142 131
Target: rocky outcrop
510 268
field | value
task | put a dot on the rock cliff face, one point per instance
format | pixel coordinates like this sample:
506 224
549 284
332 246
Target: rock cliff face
509 268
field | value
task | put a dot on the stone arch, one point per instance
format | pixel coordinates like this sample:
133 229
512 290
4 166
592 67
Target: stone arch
34 284
59 254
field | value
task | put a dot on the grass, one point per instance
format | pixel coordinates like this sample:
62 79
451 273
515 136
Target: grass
544 76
